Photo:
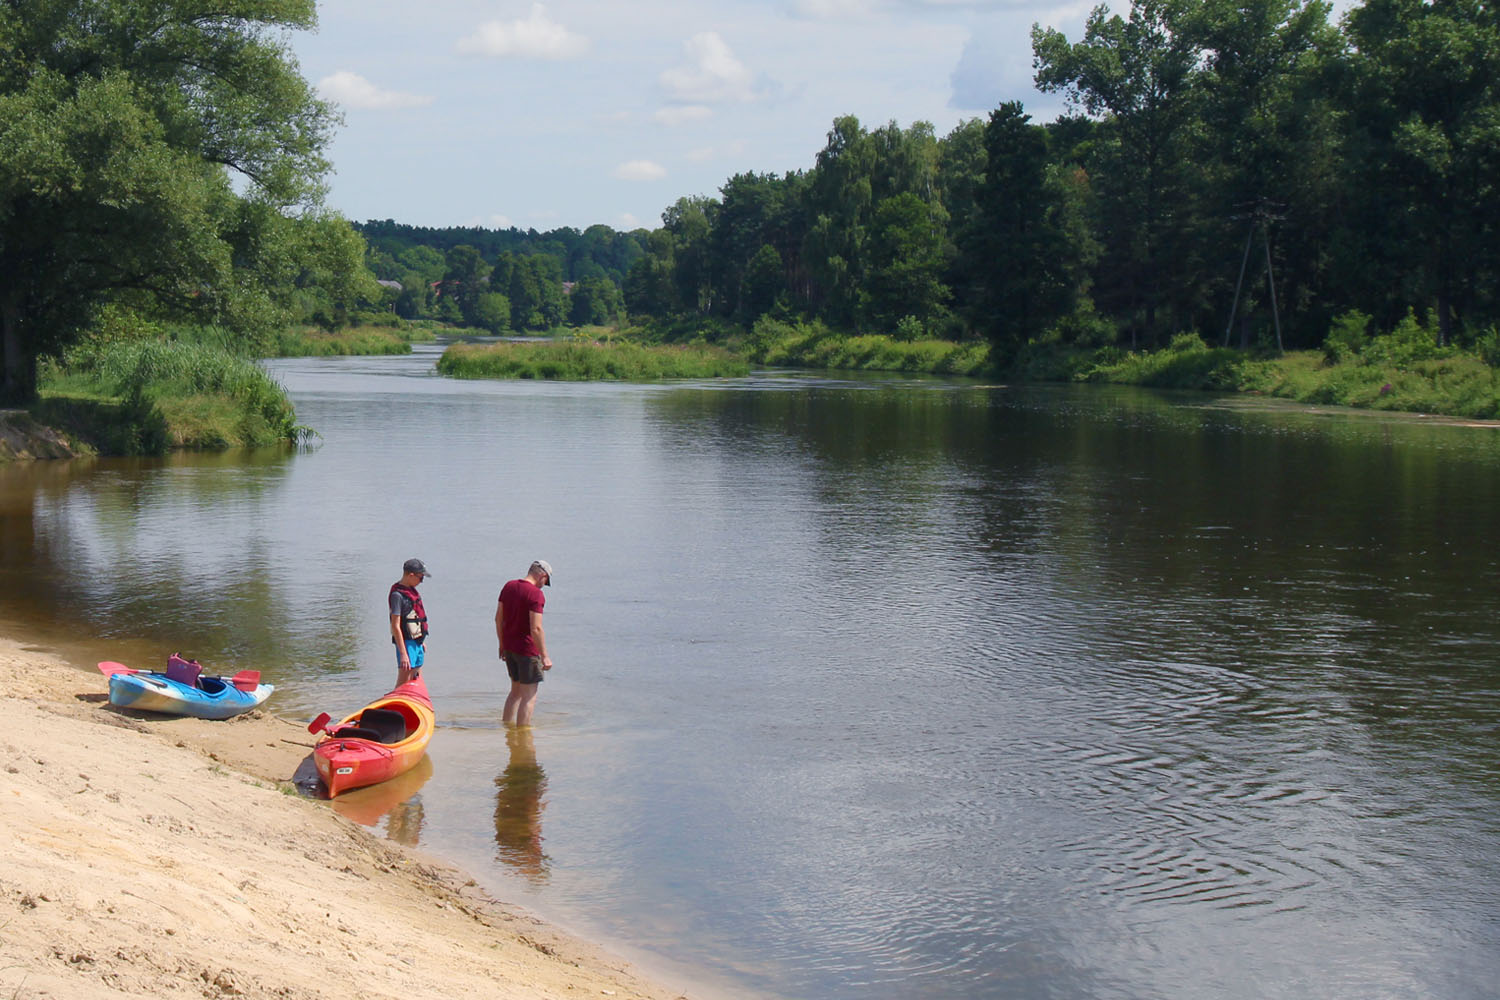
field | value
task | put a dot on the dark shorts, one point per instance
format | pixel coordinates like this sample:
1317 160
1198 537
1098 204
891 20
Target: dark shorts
523 669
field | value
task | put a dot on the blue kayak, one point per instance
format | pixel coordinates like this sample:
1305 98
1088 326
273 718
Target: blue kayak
209 698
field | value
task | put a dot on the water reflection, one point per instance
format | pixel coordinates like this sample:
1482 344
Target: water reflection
397 801
518 808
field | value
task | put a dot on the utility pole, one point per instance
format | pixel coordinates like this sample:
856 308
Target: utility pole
1260 214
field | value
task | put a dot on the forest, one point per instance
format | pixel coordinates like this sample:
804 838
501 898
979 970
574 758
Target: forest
1248 171
1258 174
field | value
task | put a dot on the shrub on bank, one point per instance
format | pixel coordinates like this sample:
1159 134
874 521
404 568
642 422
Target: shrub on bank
313 342
148 396
578 361
813 345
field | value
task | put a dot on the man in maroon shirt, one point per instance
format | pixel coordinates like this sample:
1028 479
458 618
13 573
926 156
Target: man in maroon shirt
523 645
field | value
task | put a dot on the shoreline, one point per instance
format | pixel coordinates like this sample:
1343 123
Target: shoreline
173 857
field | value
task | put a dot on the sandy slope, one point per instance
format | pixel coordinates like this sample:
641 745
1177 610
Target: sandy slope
170 858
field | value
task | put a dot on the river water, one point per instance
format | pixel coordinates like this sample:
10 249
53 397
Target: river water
871 688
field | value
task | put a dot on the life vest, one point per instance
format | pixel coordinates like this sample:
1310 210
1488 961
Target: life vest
414 620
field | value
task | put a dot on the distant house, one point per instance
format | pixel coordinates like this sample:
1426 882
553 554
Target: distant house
568 287
388 283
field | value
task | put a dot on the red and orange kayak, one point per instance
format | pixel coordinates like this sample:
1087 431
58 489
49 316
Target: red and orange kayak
385 738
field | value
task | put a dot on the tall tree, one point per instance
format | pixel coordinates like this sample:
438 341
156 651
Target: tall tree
1262 97
1426 119
841 200
1137 75
907 262
122 125
1023 286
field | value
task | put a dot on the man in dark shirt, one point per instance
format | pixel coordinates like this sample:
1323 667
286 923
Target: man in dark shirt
523 644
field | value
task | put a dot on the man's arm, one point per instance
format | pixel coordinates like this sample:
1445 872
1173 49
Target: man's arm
500 625
540 638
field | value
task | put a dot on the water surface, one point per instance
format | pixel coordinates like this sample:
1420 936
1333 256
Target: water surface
873 688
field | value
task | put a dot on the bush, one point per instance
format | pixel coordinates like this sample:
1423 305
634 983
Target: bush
1347 337
576 361
1411 340
150 395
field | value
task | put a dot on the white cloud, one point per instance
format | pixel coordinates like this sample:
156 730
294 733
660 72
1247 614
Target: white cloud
352 91
713 75
682 114
640 170
536 37
628 221
995 65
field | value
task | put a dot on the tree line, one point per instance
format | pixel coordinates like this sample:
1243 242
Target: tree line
1245 169
1250 170
503 280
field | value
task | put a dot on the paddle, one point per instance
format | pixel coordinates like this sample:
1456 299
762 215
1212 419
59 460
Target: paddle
245 680
320 723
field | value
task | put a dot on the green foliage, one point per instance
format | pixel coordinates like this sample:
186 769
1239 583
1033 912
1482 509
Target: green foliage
492 312
1411 341
134 396
364 340
121 126
813 345
579 360
1347 337
1186 363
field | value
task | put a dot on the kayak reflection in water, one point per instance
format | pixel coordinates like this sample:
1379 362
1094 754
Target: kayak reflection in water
518 808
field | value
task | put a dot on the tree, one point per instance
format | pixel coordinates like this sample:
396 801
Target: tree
907 262
841 199
595 302
122 125
1426 103
1018 242
467 277
1138 76
690 224
649 287
492 312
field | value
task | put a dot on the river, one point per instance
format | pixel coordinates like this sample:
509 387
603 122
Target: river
871 687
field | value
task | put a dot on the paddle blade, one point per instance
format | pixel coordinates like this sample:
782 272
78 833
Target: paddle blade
109 668
246 680
320 723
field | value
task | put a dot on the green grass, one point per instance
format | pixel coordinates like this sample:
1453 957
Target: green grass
311 342
1445 381
812 345
582 360
150 396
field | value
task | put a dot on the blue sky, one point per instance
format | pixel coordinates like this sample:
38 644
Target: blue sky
575 112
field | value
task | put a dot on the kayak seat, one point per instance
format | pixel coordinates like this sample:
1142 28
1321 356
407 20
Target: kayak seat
183 671
388 726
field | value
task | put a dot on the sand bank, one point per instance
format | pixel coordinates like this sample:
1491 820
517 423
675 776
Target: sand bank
172 858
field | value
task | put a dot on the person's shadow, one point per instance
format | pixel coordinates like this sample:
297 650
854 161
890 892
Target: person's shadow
519 791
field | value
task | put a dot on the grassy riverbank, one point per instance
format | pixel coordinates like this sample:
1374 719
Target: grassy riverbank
586 360
313 342
143 397
1405 370
813 345
1411 374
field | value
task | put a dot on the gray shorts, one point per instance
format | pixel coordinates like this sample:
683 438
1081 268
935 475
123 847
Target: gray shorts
523 669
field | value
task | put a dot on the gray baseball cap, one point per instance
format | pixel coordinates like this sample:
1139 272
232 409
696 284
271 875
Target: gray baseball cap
415 566
545 567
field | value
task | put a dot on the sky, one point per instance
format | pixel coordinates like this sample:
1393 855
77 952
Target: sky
501 113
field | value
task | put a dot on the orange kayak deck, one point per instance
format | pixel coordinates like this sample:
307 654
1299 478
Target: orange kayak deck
385 738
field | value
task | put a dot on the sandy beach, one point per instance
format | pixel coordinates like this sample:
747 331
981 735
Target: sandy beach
150 856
